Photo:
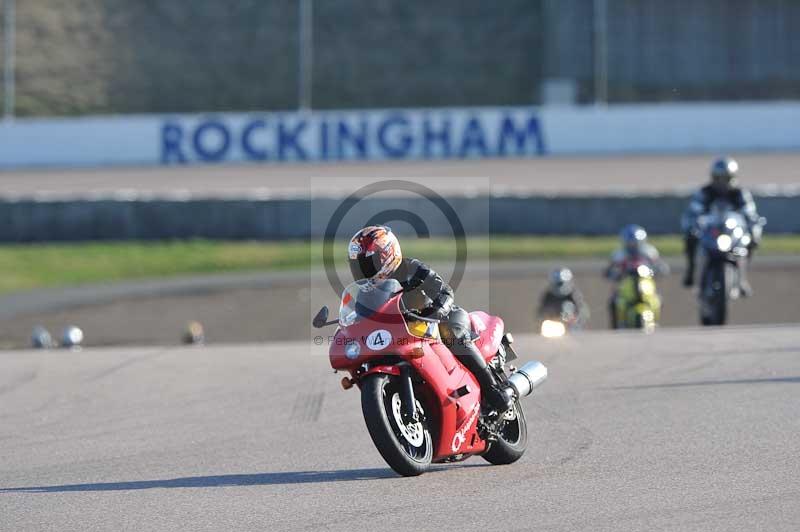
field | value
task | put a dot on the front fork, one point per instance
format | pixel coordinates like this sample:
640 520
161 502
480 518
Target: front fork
408 403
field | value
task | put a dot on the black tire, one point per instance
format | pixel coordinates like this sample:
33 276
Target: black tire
714 294
377 392
513 440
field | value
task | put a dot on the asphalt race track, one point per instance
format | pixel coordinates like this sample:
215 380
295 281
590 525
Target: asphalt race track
686 429
549 175
239 308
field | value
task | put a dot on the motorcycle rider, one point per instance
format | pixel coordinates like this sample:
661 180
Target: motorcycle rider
635 249
723 186
374 253
562 289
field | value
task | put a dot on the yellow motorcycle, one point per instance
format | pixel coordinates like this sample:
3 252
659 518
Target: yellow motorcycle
637 304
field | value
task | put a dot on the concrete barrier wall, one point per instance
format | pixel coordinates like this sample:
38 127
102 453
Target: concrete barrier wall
40 221
399 134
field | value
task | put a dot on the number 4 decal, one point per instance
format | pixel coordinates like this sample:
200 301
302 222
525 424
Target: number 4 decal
379 339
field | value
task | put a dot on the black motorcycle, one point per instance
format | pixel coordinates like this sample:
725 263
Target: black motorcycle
724 240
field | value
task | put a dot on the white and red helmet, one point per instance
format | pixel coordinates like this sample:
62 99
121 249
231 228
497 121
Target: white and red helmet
374 253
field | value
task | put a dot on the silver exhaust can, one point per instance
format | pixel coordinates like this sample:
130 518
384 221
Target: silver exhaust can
528 377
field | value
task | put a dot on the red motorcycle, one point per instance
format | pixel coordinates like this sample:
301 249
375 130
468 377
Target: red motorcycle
420 404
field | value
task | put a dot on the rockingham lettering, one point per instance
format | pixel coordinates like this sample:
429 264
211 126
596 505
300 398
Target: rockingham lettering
353 135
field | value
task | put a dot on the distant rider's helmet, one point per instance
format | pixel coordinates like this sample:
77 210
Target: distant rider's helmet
723 173
561 282
374 253
633 237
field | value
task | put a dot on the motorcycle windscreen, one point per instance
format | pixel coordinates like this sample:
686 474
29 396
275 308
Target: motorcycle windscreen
364 299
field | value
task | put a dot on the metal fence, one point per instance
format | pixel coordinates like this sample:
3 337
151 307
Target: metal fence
651 50
66 57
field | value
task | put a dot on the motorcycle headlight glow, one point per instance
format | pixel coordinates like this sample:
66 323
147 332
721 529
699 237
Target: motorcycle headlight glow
644 270
647 288
352 351
553 329
724 242
346 320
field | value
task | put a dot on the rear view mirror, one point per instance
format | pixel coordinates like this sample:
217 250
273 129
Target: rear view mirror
321 319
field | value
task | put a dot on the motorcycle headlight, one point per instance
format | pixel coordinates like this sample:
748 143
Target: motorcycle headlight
553 329
647 288
352 351
644 270
724 242
346 320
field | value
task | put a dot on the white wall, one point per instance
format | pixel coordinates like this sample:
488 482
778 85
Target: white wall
399 134
665 128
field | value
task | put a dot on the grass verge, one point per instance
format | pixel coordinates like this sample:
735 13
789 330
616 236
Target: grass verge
28 266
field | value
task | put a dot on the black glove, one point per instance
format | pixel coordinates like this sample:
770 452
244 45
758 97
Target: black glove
434 313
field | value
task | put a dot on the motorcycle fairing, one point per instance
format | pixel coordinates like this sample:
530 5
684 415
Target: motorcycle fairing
386 318
489 331
459 433
386 369
635 296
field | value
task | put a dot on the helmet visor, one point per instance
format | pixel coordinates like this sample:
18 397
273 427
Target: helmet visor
364 267
633 247
561 288
721 181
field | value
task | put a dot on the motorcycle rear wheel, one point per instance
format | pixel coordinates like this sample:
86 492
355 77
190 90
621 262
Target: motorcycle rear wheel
408 449
512 440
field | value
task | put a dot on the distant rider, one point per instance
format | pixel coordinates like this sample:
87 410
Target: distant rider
723 187
635 250
561 290
374 253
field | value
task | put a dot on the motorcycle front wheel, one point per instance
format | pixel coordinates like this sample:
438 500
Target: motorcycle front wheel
714 295
406 447
512 438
